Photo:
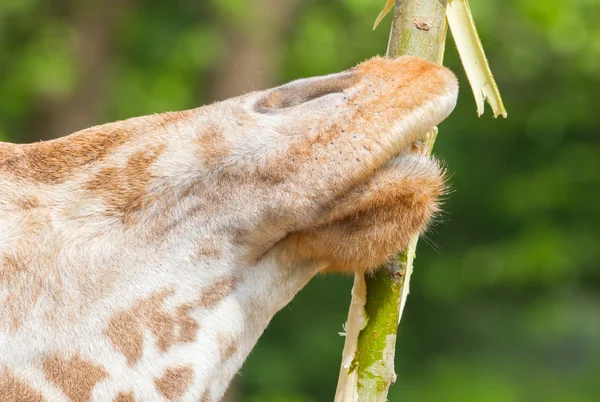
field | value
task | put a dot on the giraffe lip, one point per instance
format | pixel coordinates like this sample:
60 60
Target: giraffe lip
412 144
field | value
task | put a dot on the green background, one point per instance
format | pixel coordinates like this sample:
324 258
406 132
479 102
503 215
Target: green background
505 301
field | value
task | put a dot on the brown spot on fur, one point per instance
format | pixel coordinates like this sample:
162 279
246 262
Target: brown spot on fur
188 326
228 346
126 335
167 118
174 382
52 161
125 397
213 147
14 390
162 325
76 378
124 189
216 292
207 248
169 328
205 396
27 203
20 278
9 263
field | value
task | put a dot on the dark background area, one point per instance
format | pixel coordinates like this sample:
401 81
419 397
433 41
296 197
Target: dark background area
505 298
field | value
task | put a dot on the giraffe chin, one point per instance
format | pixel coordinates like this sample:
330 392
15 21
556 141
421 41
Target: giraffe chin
377 218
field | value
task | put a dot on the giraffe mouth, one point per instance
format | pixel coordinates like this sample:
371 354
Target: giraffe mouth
416 150
414 145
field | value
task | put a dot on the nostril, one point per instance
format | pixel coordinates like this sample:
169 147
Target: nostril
302 91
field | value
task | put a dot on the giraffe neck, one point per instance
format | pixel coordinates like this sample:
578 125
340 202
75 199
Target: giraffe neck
181 310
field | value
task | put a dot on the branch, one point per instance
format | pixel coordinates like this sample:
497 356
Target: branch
418 29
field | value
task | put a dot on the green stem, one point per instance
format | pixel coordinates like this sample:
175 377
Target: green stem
418 29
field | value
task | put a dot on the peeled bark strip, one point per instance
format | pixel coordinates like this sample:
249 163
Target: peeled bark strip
357 319
473 58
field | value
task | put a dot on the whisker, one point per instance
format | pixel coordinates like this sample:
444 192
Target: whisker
243 76
430 242
271 81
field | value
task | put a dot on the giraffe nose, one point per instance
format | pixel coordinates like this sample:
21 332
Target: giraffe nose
305 90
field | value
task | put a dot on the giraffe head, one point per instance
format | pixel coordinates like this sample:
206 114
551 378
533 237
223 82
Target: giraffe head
161 246
328 169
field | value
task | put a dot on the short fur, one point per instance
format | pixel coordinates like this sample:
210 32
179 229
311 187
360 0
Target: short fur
141 260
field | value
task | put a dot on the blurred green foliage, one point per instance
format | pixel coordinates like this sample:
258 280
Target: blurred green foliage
505 300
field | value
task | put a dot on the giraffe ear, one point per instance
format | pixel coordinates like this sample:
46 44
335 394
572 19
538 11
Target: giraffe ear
301 91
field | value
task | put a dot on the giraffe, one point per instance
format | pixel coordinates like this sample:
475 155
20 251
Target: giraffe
141 260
